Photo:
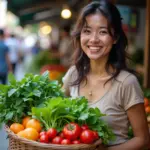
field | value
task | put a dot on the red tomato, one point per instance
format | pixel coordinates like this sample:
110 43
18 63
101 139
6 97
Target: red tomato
72 131
65 141
61 135
44 138
52 132
57 140
96 136
76 142
84 127
43 133
87 137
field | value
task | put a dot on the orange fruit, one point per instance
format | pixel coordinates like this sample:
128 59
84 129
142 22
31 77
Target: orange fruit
22 134
33 123
147 109
54 75
29 133
25 120
146 102
16 127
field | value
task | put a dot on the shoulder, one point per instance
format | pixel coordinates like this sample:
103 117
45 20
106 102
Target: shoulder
126 78
72 70
71 74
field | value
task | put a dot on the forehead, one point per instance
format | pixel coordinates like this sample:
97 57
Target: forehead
96 20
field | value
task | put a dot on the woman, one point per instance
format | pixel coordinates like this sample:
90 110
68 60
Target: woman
101 75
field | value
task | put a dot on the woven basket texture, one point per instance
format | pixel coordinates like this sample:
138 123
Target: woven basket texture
19 143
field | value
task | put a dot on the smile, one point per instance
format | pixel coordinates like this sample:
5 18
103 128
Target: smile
94 48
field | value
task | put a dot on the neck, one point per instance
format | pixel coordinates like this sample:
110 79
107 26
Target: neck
98 67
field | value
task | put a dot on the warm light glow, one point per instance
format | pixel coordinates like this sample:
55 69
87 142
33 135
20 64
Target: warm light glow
66 13
46 29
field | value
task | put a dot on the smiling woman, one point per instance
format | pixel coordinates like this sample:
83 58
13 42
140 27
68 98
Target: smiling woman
96 41
100 73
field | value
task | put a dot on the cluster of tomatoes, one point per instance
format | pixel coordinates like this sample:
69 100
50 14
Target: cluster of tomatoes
147 105
72 133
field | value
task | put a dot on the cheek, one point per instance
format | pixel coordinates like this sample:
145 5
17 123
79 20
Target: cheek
83 41
108 42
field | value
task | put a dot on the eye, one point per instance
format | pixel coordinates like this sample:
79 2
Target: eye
103 32
87 31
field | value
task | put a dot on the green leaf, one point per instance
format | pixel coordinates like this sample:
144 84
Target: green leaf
44 76
37 93
9 116
84 116
11 92
11 79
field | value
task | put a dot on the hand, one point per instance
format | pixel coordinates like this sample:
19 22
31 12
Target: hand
100 145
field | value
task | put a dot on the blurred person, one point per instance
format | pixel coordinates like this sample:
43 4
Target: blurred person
65 48
14 54
36 48
5 65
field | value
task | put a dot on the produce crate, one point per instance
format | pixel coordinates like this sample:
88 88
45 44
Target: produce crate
19 143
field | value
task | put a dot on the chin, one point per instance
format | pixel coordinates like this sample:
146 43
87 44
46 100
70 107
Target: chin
94 57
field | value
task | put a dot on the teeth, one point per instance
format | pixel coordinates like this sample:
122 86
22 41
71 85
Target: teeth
94 48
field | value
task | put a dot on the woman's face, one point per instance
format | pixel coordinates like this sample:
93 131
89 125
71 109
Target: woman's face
95 39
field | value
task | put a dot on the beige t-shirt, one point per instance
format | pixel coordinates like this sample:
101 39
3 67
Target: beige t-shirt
123 94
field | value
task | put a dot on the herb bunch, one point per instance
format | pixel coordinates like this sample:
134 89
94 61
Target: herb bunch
18 97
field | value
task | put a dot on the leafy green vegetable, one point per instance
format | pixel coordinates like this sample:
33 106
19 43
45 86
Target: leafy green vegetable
17 98
130 133
56 112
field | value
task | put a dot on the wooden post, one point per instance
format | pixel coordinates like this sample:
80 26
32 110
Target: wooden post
147 48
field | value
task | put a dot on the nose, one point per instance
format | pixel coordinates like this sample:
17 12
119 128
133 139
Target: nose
94 37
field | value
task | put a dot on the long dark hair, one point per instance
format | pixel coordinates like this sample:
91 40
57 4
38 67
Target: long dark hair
117 56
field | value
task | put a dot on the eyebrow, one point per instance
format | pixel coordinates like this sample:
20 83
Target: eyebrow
101 27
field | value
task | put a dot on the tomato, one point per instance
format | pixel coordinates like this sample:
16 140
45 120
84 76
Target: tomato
44 138
52 132
43 133
72 131
87 136
96 136
84 127
146 102
76 142
61 135
65 141
147 109
57 140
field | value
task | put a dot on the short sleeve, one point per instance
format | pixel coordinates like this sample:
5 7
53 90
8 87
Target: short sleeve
131 92
67 79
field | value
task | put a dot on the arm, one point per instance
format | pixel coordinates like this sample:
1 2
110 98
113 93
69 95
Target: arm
137 117
66 90
8 63
67 80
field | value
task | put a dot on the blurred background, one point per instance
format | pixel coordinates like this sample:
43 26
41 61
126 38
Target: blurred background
37 33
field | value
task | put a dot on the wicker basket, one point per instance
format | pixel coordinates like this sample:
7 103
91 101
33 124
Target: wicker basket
19 143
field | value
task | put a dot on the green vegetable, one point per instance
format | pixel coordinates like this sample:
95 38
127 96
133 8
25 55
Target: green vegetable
17 98
59 111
